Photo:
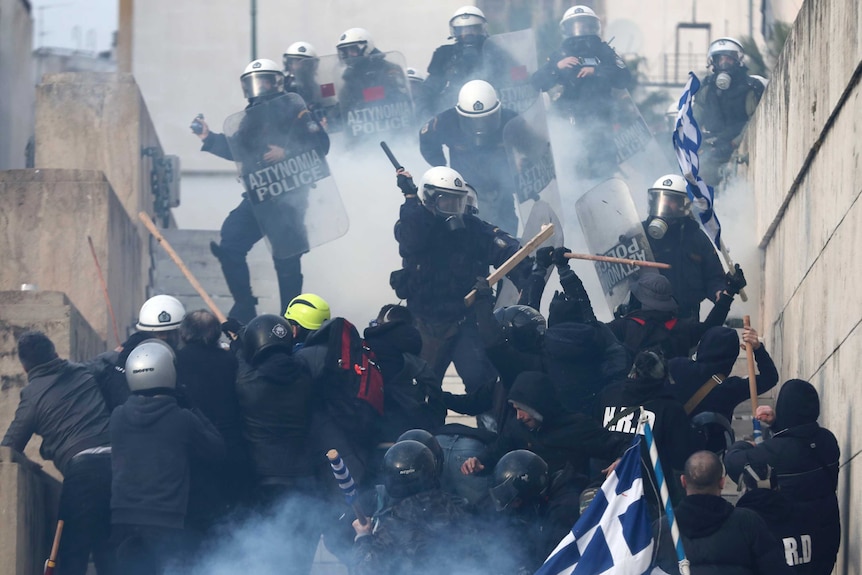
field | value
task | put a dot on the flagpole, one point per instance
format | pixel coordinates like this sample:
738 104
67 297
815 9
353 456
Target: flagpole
665 496
726 255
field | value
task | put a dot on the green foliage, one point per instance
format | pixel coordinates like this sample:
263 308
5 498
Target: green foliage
758 62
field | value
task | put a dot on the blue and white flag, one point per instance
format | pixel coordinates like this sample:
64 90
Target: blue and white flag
686 142
614 534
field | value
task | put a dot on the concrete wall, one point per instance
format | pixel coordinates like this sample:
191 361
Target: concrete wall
805 169
98 121
16 80
46 218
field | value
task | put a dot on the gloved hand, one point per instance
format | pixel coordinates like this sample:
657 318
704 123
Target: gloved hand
405 183
232 326
559 257
483 288
543 258
735 281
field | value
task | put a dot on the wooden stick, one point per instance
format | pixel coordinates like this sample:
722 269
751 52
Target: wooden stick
641 263
752 383
177 260
105 290
498 274
55 548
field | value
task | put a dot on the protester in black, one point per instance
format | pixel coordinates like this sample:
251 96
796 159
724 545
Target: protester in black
63 404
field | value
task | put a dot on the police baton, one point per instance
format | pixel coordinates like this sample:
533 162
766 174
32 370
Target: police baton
546 232
391 156
610 260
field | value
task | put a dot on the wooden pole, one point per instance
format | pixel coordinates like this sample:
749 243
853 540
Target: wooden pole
51 563
641 263
752 383
177 260
105 290
546 232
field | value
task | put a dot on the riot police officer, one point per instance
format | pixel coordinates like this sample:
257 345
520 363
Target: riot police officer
586 69
726 100
300 66
443 250
473 133
262 83
676 239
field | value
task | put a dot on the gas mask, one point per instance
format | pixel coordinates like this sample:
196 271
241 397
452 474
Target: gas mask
666 207
723 80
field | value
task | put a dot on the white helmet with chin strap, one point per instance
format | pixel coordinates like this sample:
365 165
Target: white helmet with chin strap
580 21
444 192
725 47
667 201
356 40
161 313
261 78
468 23
296 54
479 110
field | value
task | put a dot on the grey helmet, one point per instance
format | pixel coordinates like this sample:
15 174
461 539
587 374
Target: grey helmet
151 365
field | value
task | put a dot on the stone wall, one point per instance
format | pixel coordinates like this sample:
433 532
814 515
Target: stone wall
46 217
16 79
804 148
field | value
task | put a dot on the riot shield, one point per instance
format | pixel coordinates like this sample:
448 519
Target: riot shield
531 160
631 133
510 62
371 93
612 228
286 178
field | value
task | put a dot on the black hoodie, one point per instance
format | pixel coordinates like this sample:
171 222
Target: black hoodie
804 458
720 540
152 441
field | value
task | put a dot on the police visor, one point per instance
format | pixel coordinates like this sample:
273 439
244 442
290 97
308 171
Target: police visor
258 84
450 203
667 204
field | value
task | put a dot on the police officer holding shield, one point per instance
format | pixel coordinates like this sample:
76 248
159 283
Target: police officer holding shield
260 136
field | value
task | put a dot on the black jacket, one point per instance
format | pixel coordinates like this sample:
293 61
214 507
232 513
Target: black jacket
275 401
723 114
804 458
441 266
63 404
562 437
153 441
588 96
720 540
716 354
696 273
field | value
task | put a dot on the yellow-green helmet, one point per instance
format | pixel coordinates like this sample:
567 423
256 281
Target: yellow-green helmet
307 310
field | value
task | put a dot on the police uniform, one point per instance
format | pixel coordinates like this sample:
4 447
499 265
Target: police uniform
452 66
485 167
372 82
241 230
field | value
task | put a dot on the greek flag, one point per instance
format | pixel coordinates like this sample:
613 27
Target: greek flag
686 142
614 534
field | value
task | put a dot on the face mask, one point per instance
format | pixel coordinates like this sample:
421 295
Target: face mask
657 228
722 80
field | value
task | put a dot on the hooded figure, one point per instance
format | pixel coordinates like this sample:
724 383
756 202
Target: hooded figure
716 354
804 458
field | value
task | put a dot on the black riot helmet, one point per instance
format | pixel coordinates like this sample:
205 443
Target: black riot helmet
522 325
426 439
409 468
714 430
265 334
520 478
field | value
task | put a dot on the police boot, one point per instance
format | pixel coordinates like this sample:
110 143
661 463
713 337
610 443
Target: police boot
289 274
238 280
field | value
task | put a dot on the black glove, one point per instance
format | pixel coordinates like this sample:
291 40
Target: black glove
735 281
543 258
406 185
232 326
559 257
483 288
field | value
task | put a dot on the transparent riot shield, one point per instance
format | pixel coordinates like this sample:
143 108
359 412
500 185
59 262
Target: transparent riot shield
532 164
510 61
285 175
631 133
612 228
372 96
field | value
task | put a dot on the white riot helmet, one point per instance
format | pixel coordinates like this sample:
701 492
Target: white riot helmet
415 75
472 200
444 192
354 43
478 110
468 25
151 365
725 47
161 313
580 21
261 78
667 201
299 55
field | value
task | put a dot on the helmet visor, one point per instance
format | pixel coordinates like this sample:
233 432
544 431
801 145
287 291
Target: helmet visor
349 52
667 204
582 25
504 494
470 32
450 203
724 61
260 84
481 126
